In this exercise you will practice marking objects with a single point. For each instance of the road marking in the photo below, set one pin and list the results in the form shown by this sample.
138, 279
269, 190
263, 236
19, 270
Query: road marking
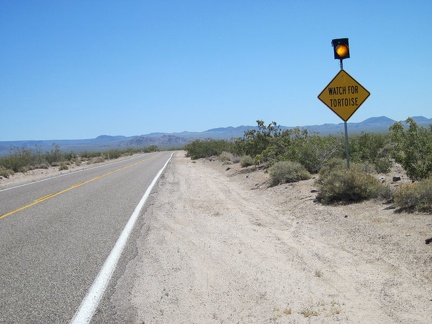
39, 200
91, 301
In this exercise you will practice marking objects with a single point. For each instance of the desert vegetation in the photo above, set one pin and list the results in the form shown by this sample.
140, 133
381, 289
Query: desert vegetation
296, 154
24, 160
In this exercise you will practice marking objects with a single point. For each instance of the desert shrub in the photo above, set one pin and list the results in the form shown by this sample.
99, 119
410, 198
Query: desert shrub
89, 155
17, 159
340, 164
413, 148
25, 169
63, 166
342, 185
383, 165
256, 141
112, 154
314, 151
205, 148
287, 171
270, 144
98, 159
330, 166
41, 166
150, 149
365, 167
55, 155
415, 196
246, 161
6, 173
369, 147
70, 156
226, 157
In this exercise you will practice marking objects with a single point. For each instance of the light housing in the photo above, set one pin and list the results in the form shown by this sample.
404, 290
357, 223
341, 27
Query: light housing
341, 48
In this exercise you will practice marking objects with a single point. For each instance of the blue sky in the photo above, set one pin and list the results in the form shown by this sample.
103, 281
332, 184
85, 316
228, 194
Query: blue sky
79, 69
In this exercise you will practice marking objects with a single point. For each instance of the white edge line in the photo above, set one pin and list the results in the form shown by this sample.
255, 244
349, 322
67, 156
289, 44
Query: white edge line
90, 303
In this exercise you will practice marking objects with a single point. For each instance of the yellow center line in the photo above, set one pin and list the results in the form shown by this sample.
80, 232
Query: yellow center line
77, 185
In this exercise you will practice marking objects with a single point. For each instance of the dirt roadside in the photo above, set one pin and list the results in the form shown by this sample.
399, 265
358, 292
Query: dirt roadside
219, 246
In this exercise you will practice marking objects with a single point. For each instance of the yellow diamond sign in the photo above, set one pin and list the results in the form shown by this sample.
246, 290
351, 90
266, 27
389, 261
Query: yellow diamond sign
343, 95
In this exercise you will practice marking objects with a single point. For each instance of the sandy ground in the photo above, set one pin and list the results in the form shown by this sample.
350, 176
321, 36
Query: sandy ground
219, 246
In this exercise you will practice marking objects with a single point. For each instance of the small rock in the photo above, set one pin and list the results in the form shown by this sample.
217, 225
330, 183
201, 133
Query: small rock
396, 178
314, 190
346, 216
228, 169
427, 241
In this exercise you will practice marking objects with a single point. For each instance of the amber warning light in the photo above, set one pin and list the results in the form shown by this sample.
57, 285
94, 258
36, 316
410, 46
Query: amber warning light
341, 48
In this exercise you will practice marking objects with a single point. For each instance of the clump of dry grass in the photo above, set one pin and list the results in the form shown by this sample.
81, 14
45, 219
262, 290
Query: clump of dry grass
286, 172
415, 196
348, 186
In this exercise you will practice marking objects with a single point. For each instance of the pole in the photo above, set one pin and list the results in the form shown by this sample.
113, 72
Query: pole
347, 145
346, 131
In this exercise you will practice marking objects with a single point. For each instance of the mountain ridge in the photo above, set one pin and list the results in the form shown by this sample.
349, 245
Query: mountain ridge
106, 142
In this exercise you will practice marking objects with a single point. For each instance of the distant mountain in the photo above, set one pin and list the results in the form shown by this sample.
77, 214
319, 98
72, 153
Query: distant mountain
383, 120
109, 138
422, 120
163, 140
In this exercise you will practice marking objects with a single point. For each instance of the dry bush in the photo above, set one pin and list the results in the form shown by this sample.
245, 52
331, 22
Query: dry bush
246, 161
227, 157
286, 172
6, 173
415, 196
348, 186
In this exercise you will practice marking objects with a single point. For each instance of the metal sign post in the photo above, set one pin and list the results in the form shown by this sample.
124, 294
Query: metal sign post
347, 145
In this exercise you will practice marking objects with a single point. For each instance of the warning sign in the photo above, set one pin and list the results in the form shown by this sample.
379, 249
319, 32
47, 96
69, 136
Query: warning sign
343, 95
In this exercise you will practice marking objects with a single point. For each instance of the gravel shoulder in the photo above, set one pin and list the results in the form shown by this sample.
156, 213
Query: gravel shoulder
219, 246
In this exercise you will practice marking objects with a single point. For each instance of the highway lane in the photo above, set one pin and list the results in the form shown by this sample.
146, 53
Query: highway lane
52, 250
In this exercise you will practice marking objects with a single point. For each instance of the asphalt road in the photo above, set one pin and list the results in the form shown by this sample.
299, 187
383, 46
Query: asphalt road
56, 234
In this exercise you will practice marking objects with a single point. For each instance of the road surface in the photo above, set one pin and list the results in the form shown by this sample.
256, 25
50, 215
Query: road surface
56, 234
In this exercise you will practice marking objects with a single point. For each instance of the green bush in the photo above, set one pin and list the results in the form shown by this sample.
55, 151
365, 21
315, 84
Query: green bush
246, 161
369, 147
413, 148
55, 155
383, 165
205, 148
331, 165
342, 185
287, 171
340, 164
17, 160
415, 196
272, 143
112, 154
314, 151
